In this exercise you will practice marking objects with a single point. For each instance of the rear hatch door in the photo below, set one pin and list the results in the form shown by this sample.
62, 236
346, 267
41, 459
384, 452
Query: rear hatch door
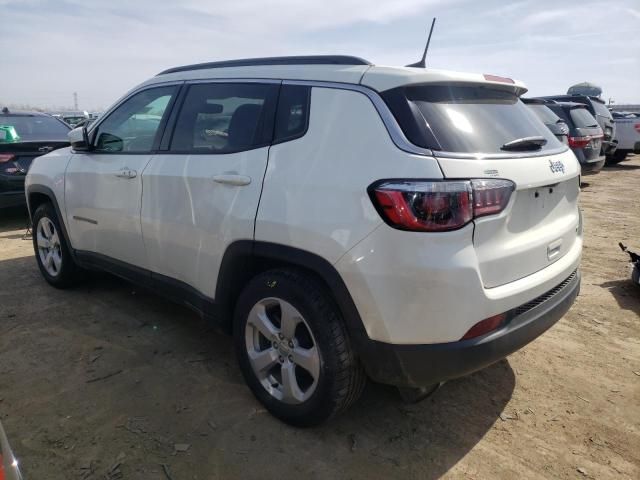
540, 223
486, 131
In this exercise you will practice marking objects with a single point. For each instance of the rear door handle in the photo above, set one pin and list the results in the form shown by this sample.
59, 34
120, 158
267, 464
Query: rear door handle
232, 179
126, 173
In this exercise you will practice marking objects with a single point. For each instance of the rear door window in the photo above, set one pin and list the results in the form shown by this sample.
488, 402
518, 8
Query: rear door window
225, 117
466, 118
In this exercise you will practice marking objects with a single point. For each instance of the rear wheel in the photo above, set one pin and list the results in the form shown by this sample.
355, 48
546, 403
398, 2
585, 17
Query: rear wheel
617, 157
293, 348
52, 252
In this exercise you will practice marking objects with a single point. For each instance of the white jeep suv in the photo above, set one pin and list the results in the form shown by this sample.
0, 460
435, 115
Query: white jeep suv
343, 220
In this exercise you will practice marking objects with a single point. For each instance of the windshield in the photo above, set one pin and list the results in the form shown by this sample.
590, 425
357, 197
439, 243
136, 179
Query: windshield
471, 118
582, 118
27, 128
545, 114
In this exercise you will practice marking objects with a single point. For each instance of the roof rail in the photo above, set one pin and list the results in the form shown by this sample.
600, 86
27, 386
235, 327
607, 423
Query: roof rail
295, 60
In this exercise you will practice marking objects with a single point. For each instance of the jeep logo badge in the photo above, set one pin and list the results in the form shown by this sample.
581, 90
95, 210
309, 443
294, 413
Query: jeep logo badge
556, 166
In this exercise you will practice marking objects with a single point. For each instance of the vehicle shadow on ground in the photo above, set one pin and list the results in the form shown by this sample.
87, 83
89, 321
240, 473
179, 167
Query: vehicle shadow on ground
386, 437
12, 219
432, 436
622, 166
626, 293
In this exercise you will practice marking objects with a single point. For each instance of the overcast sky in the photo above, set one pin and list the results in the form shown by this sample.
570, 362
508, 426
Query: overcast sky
100, 49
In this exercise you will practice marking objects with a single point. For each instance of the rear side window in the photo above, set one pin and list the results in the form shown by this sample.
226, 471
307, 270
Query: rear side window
544, 113
225, 117
464, 118
582, 118
292, 118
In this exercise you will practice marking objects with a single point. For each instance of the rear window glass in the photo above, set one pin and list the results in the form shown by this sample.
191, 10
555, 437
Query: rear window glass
582, 118
468, 119
19, 128
544, 113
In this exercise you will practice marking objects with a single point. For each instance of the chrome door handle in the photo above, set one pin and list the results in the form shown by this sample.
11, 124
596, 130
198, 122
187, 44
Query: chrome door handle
232, 179
126, 173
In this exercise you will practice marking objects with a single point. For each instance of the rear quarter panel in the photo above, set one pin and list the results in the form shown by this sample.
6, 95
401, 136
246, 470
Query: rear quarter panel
315, 189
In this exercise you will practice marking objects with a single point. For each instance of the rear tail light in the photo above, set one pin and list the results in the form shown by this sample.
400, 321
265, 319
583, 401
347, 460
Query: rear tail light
438, 206
6, 157
581, 142
485, 326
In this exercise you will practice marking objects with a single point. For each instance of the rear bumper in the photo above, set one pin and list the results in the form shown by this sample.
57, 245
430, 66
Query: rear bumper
12, 190
12, 199
423, 365
592, 166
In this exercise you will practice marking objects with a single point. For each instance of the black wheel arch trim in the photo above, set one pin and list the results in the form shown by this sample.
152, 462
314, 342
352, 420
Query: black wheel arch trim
46, 191
244, 259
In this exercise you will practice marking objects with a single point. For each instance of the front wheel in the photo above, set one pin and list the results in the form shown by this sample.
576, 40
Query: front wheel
52, 252
293, 348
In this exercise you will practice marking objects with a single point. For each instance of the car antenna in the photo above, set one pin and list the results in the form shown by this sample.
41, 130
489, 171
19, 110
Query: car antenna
422, 63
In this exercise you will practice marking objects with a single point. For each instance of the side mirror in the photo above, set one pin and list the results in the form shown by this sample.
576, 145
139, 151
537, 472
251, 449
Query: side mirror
79, 139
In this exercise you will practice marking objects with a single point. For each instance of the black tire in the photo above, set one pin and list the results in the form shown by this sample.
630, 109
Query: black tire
616, 158
341, 378
69, 273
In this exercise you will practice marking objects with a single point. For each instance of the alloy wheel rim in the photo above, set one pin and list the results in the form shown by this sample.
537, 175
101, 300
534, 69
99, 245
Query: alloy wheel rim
49, 249
282, 351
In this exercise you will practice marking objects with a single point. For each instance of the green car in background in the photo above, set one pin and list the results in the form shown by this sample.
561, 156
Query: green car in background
8, 134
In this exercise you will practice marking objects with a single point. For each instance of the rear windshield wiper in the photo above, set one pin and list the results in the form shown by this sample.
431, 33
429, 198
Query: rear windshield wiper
526, 143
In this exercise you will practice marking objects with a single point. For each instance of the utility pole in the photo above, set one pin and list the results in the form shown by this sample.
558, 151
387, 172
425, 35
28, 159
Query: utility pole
75, 100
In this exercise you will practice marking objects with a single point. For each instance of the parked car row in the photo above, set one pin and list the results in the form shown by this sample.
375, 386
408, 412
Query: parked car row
594, 134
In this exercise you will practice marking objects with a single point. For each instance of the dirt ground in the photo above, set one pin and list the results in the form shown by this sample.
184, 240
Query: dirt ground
107, 381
